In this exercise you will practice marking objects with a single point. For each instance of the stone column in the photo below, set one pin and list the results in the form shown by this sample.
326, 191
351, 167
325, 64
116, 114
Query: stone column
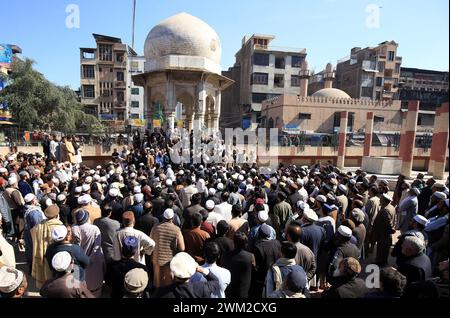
439, 146
214, 122
170, 118
199, 122
342, 140
408, 137
201, 106
189, 120
368, 135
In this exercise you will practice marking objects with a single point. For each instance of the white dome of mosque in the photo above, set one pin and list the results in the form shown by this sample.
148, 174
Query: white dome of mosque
331, 93
183, 34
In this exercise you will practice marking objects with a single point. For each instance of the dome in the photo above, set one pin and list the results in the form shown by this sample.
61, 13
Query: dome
183, 34
331, 93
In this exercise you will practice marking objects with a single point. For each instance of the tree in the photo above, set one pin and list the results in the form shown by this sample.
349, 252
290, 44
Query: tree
37, 104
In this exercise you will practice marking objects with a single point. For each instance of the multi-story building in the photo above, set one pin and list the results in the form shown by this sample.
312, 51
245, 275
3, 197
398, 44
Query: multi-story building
135, 94
372, 72
261, 71
104, 81
427, 86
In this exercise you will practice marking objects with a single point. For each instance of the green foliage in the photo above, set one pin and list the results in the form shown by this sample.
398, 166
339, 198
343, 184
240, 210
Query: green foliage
37, 104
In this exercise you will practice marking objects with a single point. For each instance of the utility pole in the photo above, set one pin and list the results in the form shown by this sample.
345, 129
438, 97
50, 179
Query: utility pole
134, 22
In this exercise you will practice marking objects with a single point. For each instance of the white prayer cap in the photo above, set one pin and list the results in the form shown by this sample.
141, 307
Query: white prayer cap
345, 231
302, 205
61, 261
169, 182
358, 215
88, 179
3, 170
343, 188
210, 204
253, 170
113, 192
387, 197
61, 197
310, 215
111, 172
352, 181
92, 172
10, 279
75, 176
132, 175
212, 191
137, 189
29, 197
78, 190
421, 219
283, 178
300, 181
85, 187
84, 199
103, 179
169, 214
135, 281
59, 233
98, 167
183, 266
55, 181
321, 198
181, 172
440, 195
139, 197
48, 202
220, 186
12, 180
96, 177
263, 216
10, 158
241, 177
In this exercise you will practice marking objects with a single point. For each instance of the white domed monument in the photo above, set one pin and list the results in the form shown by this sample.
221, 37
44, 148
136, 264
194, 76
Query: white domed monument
183, 67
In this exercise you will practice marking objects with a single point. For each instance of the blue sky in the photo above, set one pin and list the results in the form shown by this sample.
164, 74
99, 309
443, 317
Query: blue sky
328, 29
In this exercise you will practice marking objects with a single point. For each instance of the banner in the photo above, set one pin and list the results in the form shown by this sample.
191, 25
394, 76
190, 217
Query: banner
5, 55
137, 122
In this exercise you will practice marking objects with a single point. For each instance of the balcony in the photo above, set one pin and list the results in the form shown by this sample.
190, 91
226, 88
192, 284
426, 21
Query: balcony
120, 105
119, 84
278, 48
118, 64
369, 66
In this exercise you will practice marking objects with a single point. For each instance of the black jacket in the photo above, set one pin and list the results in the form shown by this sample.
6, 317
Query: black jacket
146, 223
345, 287
115, 275
266, 253
416, 269
190, 290
240, 264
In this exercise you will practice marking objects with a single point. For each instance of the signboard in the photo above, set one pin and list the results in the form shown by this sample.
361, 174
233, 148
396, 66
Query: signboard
5, 55
156, 123
107, 117
137, 122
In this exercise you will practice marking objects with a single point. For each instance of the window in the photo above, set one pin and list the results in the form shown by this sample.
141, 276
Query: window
378, 95
379, 81
295, 81
134, 116
378, 119
397, 67
100, 69
88, 91
120, 116
297, 61
260, 79
381, 66
391, 55
261, 43
304, 116
88, 55
351, 121
105, 52
134, 104
135, 91
120, 96
261, 59
367, 92
259, 97
278, 80
120, 57
120, 76
280, 62
337, 119
88, 71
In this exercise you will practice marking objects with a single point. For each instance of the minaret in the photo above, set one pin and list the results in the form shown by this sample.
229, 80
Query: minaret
328, 76
304, 79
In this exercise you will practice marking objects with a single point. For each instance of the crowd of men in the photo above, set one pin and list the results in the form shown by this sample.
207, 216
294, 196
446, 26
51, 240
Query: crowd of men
142, 226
